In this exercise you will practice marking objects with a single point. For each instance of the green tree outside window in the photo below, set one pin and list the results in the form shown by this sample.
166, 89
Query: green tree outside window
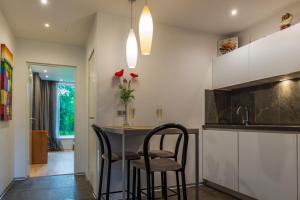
66, 98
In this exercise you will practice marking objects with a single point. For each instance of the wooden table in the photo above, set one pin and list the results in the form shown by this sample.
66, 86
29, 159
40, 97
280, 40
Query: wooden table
142, 131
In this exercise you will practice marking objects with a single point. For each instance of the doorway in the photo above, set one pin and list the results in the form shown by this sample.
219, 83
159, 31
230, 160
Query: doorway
52, 110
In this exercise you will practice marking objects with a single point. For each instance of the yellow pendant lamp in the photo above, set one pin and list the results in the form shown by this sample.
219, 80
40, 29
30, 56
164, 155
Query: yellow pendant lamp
146, 30
131, 45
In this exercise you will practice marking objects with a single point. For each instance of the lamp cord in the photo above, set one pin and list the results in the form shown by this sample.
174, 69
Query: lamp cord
131, 14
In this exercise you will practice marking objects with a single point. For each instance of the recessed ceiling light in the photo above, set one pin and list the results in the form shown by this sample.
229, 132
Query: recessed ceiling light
45, 71
47, 76
234, 12
47, 25
44, 2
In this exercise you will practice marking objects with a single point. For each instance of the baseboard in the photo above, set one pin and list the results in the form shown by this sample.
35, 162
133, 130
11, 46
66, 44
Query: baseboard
80, 174
6, 189
20, 178
227, 191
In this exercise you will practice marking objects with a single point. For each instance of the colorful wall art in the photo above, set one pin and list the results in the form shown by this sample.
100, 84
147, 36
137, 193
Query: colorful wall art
6, 70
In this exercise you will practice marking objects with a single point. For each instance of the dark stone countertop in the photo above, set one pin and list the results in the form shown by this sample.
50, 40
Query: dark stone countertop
295, 128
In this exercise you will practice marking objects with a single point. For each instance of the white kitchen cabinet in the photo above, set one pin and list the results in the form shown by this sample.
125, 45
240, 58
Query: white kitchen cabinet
231, 69
268, 165
220, 158
276, 54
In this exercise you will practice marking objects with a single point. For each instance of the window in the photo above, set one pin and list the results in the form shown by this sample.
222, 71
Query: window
66, 109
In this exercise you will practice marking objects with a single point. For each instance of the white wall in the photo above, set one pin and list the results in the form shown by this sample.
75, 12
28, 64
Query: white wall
173, 77
269, 25
50, 53
6, 134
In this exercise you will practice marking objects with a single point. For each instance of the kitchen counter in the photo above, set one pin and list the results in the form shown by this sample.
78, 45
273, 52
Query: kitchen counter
293, 128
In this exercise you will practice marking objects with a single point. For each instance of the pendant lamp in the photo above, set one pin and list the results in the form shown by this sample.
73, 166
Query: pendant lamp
146, 30
131, 45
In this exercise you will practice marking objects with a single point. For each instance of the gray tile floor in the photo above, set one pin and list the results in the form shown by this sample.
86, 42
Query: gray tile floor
69, 187
65, 187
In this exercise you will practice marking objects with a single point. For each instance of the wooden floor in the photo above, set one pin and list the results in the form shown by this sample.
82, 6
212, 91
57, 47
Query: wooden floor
70, 187
58, 163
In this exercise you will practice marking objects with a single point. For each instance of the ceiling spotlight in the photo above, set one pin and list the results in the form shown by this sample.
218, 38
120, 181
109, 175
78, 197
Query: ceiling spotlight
46, 76
47, 25
234, 12
45, 71
44, 2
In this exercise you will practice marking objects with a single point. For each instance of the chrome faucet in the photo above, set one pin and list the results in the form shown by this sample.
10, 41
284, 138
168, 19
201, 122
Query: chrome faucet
245, 118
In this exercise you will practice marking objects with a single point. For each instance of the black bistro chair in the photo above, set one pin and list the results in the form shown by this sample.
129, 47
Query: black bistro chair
110, 157
163, 153
161, 164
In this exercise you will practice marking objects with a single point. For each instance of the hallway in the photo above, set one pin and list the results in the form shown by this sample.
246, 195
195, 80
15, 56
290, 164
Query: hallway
59, 163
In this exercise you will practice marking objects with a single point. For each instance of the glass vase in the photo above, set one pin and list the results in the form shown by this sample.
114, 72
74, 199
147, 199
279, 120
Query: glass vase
125, 120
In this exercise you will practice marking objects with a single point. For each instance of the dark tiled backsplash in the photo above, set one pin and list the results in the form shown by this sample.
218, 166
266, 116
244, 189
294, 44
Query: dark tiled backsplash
272, 103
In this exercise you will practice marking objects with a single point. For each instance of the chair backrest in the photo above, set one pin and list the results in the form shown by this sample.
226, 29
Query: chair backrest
176, 127
161, 144
103, 141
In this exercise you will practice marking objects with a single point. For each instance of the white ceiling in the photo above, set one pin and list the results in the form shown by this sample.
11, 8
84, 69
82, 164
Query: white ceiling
55, 73
71, 19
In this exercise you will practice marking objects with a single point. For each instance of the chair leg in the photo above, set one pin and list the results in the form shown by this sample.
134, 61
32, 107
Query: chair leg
153, 185
162, 184
128, 179
183, 185
139, 196
101, 179
134, 183
165, 197
108, 180
178, 185
148, 175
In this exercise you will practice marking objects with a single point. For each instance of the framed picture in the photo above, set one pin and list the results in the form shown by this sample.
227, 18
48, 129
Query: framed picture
227, 45
6, 70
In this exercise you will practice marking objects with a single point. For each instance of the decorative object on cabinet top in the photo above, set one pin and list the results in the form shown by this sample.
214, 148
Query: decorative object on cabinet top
227, 45
286, 21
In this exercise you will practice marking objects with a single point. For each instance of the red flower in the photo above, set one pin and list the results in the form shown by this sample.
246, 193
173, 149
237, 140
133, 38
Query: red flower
134, 75
120, 73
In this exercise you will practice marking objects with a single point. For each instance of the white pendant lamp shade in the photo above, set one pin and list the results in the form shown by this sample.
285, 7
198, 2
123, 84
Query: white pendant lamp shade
146, 31
131, 49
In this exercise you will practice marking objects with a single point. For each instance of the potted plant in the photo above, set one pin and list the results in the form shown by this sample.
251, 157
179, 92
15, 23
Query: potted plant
125, 91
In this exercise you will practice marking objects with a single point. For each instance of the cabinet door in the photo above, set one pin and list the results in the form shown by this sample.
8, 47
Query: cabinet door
276, 54
231, 69
268, 165
220, 158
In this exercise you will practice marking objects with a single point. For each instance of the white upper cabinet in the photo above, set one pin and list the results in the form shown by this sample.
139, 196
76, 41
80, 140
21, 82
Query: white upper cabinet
220, 158
276, 54
231, 68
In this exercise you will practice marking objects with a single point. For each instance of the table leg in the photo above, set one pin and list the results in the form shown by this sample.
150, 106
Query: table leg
197, 165
123, 168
